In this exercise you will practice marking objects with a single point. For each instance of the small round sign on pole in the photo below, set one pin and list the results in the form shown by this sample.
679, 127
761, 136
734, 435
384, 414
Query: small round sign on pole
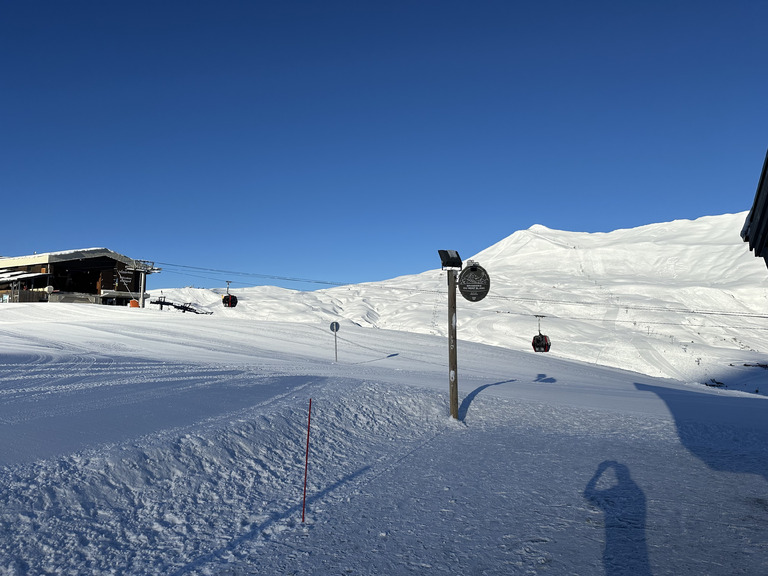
474, 282
335, 328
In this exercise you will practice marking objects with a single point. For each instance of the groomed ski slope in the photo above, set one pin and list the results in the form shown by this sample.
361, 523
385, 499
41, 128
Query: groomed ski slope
147, 442
155, 442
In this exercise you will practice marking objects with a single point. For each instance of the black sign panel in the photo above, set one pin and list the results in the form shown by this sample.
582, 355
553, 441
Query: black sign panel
335, 326
474, 282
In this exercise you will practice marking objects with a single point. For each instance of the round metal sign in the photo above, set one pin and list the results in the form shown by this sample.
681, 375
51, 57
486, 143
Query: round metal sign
335, 326
474, 282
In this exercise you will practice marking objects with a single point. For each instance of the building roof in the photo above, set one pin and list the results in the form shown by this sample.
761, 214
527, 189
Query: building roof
70, 255
7, 276
755, 229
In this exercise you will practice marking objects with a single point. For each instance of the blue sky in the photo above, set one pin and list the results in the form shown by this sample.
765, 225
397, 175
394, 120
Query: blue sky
349, 141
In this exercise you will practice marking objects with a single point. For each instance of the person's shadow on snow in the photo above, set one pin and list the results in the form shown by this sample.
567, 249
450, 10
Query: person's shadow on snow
623, 503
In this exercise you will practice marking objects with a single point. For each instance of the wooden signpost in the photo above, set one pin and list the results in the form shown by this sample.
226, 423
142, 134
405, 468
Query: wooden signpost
474, 284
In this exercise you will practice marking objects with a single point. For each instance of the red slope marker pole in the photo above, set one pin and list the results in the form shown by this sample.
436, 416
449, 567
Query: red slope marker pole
306, 463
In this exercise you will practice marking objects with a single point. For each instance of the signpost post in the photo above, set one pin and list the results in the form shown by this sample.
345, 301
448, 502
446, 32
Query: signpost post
451, 262
474, 284
453, 355
335, 328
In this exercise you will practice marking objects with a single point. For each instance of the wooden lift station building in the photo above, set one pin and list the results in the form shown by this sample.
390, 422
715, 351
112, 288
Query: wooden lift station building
92, 275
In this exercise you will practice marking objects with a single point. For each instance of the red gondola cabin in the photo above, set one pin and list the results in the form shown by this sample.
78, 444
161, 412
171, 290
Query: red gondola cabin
541, 343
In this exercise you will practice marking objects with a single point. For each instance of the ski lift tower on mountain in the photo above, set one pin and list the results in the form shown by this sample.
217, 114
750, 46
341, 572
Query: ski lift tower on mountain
755, 229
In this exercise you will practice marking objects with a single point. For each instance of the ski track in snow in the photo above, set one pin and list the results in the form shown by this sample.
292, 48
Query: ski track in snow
394, 486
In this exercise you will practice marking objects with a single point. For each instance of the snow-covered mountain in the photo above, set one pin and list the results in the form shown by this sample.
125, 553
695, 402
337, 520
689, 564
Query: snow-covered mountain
146, 442
683, 299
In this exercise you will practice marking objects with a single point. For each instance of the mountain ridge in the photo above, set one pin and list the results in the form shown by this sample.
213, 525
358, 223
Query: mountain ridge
688, 290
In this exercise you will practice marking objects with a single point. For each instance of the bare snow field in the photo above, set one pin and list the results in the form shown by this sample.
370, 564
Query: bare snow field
141, 441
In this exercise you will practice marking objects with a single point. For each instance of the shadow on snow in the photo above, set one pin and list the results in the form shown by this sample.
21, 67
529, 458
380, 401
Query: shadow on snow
727, 433
471, 396
622, 501
273, 519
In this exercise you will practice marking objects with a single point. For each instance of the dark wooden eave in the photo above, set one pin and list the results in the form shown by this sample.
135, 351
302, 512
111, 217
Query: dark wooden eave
755, 230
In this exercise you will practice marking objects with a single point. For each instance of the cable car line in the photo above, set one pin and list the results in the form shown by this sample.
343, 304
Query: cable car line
491, 297
635, 307
640, 322
255, 275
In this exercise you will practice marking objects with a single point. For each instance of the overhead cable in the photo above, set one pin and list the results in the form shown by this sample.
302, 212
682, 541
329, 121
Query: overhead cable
537, 300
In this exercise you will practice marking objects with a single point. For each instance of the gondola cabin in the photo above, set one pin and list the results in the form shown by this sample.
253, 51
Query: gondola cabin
229, 300
541, 343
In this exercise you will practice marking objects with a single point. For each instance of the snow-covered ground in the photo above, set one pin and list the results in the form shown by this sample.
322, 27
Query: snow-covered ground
159, 442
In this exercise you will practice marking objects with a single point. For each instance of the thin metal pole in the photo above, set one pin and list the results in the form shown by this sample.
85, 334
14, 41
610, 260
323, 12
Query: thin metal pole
453, 376
306, 463
335, 347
